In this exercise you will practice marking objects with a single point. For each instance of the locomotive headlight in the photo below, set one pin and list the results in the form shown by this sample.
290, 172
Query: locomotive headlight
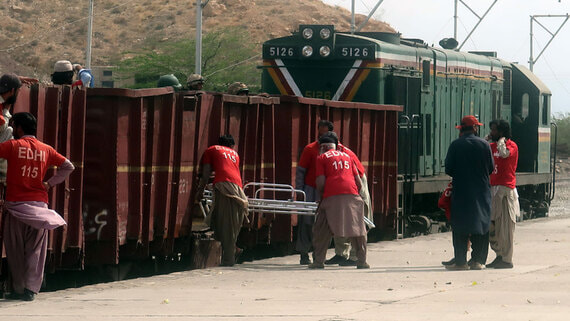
325, 51
325, 33
307, 33
307, 51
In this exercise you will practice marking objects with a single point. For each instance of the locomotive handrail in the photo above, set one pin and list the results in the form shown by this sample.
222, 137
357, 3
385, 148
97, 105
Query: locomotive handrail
552, 190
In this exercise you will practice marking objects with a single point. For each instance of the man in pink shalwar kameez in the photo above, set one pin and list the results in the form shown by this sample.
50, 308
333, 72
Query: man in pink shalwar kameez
27, 218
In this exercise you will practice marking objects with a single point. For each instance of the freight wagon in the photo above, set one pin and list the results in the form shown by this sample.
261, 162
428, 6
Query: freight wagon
136, 154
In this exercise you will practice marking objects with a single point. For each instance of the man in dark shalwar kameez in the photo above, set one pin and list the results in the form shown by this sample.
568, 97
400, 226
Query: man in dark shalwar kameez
469, 162
341, 210
28, 218
230, 202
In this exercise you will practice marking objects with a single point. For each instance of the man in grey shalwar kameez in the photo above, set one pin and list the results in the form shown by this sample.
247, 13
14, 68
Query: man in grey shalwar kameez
469, 162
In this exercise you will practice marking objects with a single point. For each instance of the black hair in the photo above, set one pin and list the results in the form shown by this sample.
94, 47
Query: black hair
226, 140
329, 137
26, 121
326, 123
504, 128
62, 78
494, 122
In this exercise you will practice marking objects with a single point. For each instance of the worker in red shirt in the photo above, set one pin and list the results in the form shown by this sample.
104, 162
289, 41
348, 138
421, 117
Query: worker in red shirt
28, 218
230, 202
305, 181
341, 208
345, 255
505, 206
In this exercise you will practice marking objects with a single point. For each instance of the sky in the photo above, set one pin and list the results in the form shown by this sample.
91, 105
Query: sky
505, 29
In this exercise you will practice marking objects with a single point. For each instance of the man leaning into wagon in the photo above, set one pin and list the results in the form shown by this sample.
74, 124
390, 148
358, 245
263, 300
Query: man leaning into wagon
341, 210
230, 202
28, 218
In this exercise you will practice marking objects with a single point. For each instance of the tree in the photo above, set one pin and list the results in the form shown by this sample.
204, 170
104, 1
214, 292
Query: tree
228, 55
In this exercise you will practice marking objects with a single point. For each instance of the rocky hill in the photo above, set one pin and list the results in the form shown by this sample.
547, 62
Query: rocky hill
34, 34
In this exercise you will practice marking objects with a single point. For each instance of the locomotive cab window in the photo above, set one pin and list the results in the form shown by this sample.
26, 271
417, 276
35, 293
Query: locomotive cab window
426, 73
545, 109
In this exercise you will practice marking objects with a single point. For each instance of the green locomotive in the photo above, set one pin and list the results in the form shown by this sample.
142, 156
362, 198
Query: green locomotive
437, 87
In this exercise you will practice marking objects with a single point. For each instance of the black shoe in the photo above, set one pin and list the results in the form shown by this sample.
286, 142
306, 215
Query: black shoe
456, 267
305, 259
348, 263
503, 265
28, 295
337, 259
14, 296
450, 262
495, 261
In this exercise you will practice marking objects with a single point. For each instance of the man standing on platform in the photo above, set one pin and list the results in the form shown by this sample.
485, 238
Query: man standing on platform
341, 208
230, 202
345, 255
505, 202
28, 218
305, 181
469, 162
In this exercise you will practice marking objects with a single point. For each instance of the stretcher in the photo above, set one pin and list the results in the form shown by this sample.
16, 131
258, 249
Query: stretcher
292, 201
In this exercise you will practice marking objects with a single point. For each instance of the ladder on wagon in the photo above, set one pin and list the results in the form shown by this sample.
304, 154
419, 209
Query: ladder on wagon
258, 205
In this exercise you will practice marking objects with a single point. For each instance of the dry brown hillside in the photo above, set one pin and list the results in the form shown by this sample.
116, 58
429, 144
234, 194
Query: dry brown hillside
34, 34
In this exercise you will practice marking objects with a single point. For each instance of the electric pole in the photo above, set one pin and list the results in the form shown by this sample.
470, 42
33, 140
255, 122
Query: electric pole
89, 34
199, 6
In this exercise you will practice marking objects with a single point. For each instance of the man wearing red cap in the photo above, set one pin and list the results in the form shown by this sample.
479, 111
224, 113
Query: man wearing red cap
469, 162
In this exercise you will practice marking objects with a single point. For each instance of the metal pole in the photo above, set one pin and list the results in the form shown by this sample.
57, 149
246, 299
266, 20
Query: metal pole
455, 22
198, 63
89, 33
531, 59
369, 16
480, 19
352, 20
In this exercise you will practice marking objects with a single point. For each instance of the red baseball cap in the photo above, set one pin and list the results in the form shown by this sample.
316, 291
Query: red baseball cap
469, 121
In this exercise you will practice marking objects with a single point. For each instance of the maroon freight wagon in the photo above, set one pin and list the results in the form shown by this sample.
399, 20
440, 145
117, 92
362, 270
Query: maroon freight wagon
137, 153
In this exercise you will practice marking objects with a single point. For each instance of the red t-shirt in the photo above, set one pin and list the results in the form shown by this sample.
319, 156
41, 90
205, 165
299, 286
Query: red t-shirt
504, 172
359, 166
28, 160
339, 171
225, 162
309, 161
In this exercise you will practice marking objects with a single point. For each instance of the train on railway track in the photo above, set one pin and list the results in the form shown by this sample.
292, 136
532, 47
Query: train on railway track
436, 88
394, 101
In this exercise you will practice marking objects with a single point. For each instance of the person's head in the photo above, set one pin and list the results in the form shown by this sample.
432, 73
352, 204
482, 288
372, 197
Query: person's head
169, 80
324, 126
469, 124
195, 82
9, 85
238, 88
500, 128
62, 73
226, 140
23, 124
77, 67
328, 141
